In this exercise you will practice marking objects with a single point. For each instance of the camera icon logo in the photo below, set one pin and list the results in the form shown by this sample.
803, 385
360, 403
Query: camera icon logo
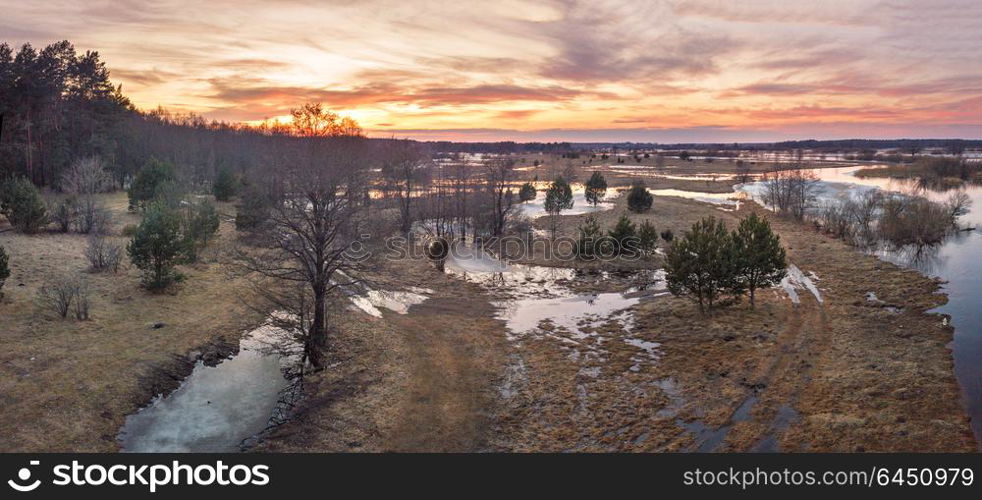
24, 475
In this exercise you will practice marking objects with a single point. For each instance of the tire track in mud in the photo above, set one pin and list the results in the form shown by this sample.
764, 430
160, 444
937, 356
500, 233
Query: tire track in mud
764, 414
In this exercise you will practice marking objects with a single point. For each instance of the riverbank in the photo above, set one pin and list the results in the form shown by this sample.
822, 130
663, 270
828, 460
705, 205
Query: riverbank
830, 370
833, 372
68, 385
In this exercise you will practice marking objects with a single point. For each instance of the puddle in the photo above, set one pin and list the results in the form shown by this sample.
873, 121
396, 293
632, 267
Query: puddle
769, 444
537, 208
216, 408
396, 301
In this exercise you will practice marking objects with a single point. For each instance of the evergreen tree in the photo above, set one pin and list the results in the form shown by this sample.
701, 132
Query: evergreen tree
151, 181
4, 268
592, 241
158, 246
527, 193
199, 226
638, 198
225, 185
21, 202
624, 237
559, 197
647, 238
761, 261
702, 263
596, 188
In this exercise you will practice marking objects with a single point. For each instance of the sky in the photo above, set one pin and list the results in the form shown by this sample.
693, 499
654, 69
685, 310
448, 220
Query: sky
544, 70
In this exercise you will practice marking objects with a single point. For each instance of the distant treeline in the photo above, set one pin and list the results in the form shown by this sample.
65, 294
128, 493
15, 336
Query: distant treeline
503, 147
955, 145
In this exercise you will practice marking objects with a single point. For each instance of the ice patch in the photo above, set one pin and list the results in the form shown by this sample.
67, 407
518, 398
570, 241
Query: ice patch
795, 280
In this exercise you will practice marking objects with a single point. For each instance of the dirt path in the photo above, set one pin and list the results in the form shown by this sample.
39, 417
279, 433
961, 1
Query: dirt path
769, 407
454, 353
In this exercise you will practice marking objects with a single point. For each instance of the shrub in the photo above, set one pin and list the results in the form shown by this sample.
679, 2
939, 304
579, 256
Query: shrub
638, 198
63, 213
104, 254
157, 246
63, 295
225, 185
21, 202
93, 217
4, 267
667, 235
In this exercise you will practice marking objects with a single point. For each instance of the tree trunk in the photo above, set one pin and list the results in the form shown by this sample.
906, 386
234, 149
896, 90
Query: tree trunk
753, 305
317, 335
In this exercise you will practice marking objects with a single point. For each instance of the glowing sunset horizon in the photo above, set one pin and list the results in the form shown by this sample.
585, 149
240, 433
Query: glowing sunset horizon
580, 71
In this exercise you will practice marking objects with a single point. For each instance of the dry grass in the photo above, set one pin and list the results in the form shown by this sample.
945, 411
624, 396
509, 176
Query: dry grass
67, 385
860, 377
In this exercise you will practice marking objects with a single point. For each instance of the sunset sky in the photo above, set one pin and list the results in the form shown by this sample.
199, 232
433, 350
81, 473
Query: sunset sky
600, 70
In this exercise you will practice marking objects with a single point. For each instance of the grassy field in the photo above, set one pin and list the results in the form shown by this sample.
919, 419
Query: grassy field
853, 375
67, 385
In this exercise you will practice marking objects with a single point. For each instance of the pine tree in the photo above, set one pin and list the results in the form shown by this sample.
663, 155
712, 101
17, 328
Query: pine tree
647, 238
638, 198
702, 263
591, 239
225, 185
199, 226
158, 246
527, 193
596, 188
761, 261
559, 197
624, 237
21, 202
150, 182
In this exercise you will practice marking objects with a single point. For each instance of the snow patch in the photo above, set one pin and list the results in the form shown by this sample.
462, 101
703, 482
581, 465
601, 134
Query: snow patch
795, 280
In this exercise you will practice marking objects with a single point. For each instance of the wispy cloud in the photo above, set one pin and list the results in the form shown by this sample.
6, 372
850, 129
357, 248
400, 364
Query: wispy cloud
644, 69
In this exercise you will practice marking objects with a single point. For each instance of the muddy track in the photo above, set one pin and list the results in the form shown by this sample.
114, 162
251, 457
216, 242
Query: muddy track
455, 358
759, 420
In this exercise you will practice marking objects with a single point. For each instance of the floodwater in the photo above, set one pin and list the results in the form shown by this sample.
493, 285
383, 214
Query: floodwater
537, 208
535, 296
217, 407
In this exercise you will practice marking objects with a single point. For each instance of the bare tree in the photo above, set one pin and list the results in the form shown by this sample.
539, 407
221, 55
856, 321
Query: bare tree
790, 192
311, 249
404, 168
83, 180
499, 173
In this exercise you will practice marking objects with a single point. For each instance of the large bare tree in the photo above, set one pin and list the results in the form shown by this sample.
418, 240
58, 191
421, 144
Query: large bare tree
312, 247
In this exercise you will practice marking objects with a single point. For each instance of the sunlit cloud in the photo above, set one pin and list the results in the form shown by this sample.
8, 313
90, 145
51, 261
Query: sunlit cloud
693, 70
